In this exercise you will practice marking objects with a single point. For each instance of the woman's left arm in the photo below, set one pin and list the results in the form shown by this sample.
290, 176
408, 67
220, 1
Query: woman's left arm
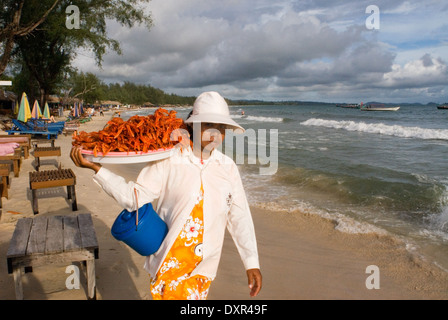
241, 228
254, 280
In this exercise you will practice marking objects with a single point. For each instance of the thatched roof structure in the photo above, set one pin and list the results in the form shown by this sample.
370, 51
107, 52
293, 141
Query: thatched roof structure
111, 103
7, 96
53, 99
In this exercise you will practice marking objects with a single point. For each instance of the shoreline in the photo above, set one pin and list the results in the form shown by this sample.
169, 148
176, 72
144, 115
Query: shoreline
308, 258
302, 255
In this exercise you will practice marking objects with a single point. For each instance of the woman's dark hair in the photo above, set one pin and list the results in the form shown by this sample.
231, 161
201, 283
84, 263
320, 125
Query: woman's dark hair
189, 125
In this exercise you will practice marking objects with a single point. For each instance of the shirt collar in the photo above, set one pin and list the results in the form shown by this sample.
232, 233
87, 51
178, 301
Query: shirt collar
215, 156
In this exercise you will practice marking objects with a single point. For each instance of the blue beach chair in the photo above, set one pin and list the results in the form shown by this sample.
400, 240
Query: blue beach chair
26, 128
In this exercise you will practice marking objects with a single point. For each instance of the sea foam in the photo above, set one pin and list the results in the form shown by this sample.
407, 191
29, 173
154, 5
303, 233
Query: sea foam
380, 128
257, 118
342, 222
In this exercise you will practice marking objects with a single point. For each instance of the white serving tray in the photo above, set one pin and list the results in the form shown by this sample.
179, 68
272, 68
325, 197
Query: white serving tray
128, 157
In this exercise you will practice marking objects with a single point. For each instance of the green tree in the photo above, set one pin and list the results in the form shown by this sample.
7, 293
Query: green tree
45, 62
12, 26
131, 93
86, 86
48, 51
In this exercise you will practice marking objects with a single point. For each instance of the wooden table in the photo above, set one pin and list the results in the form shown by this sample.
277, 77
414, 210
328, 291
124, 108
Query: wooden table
4, 174
43, 240
23, 140
16, 159
52, 179
40, 152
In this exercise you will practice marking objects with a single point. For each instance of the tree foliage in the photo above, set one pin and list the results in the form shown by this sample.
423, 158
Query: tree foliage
91, 89
131, 93
44, 54
12, 26
43, 49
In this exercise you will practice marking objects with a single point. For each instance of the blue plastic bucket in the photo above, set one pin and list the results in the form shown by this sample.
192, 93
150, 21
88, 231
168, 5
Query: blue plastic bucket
144, 237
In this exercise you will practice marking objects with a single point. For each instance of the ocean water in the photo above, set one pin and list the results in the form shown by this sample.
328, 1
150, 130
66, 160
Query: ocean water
381, 172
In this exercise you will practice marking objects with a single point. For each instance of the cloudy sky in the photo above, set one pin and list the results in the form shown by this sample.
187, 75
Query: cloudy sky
311, 50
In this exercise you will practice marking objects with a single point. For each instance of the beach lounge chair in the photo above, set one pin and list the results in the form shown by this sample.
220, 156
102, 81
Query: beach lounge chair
25, 128
39, 125
70, 127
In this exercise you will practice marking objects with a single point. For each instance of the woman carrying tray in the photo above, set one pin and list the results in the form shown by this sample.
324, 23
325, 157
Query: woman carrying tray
197, 192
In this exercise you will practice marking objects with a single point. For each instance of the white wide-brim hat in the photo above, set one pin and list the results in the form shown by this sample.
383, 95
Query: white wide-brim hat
210, 107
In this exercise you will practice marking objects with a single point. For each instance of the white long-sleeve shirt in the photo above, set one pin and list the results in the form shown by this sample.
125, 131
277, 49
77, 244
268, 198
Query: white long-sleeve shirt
172, 186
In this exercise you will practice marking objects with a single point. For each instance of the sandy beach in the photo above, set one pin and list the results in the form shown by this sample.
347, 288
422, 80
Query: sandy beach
302, 255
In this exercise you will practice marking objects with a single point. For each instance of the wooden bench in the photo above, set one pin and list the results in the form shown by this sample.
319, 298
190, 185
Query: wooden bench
52, 179
23, 140
36, 142
42, 240
40, 152
16, 160
71, 127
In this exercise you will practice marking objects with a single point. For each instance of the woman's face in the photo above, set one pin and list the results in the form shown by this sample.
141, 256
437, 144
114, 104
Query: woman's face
212, 134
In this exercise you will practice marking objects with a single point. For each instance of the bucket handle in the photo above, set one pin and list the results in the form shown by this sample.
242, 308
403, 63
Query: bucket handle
136, 211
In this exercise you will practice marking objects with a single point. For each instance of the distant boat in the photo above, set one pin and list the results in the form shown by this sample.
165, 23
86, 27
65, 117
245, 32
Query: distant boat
348, 105
378, 107
443, 106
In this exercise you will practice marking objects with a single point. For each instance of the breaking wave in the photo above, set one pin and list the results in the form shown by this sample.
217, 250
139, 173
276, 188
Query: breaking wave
380, 128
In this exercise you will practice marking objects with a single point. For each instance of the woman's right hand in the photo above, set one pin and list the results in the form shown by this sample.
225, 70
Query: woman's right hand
80, 161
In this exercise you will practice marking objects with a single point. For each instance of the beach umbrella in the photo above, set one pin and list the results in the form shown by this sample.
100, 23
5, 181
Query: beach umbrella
16, 108
36, 113
46, 111
24, 109
76, 111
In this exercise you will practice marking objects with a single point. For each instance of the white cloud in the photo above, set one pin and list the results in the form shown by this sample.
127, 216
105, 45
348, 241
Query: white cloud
282, 49
424, 72
405, 7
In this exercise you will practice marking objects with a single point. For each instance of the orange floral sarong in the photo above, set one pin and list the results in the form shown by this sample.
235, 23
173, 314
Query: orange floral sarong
173, 280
